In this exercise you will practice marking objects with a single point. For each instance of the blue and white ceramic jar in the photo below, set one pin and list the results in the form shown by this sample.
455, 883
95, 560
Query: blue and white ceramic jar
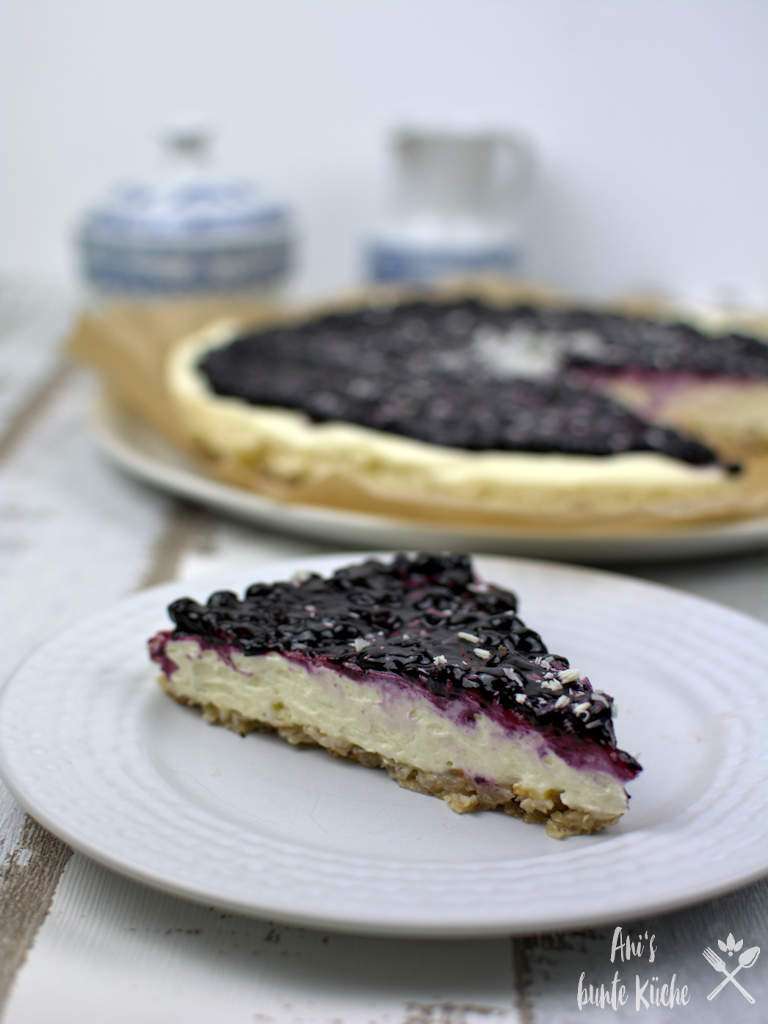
190, 233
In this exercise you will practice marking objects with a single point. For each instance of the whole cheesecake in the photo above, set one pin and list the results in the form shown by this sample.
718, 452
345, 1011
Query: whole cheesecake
518, 410
415, 665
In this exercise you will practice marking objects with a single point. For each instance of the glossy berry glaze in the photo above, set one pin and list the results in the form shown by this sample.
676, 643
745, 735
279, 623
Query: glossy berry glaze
422, 621
421, 370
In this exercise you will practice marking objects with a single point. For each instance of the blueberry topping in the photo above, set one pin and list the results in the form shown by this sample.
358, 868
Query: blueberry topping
423, 618
422, 370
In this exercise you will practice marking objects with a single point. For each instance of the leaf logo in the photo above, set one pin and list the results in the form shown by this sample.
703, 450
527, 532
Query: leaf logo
730, 946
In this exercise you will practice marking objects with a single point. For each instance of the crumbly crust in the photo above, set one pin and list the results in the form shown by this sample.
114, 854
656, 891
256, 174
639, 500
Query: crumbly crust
459, 791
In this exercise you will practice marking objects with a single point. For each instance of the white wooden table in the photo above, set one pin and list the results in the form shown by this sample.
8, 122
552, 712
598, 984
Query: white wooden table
81, 944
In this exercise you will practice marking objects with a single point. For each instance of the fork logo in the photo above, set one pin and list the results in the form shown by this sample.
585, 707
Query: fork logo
745, 959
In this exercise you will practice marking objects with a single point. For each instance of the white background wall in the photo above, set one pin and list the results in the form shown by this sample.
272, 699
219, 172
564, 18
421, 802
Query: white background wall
650, 119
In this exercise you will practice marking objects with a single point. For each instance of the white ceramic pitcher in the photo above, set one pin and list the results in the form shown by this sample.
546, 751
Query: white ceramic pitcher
460, 195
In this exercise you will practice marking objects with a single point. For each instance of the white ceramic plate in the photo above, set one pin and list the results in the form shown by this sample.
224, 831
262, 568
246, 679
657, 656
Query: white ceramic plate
98, 754
143, 453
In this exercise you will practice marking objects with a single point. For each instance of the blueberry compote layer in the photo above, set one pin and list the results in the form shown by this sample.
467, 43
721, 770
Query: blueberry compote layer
426, 621
416, 369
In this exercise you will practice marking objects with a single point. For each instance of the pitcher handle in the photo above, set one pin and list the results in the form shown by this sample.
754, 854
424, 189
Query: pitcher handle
515, 165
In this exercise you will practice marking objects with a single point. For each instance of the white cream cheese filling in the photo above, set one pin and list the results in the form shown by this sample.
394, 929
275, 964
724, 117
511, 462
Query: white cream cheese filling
401, 725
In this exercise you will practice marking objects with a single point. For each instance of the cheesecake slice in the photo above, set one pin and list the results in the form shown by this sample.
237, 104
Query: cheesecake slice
415, 665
